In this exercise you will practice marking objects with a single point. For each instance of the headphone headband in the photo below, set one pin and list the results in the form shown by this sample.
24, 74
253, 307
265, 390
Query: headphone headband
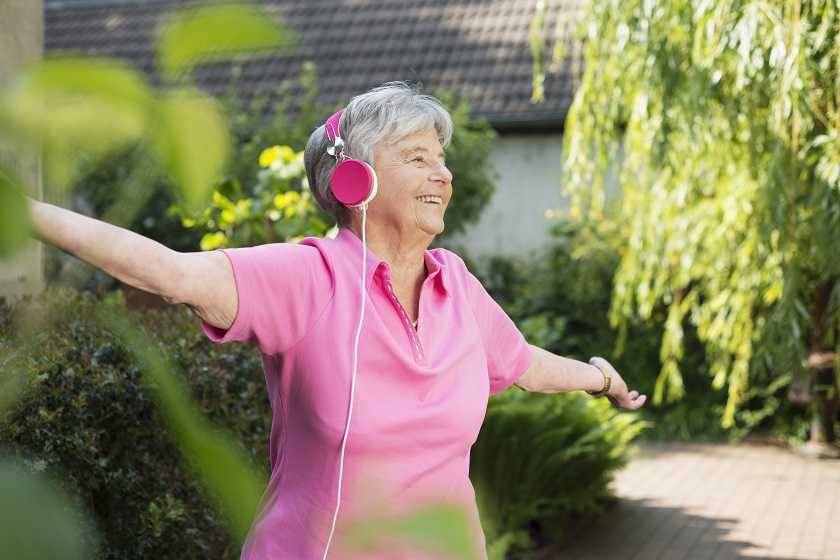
332, 125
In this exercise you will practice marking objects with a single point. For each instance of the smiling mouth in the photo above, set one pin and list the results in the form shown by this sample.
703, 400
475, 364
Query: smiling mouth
430, 199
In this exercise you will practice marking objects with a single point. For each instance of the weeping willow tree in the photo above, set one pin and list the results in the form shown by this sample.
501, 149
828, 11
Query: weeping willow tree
727, 118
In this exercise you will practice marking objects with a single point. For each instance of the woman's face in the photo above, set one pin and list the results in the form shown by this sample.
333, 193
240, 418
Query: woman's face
409, 173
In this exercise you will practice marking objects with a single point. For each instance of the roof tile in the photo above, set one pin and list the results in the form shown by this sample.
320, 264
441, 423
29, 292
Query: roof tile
477, 48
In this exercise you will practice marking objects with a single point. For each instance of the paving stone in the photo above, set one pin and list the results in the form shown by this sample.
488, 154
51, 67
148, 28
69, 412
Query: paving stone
683, 501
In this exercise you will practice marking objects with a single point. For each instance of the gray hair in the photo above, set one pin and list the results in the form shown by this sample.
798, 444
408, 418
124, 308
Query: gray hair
385, 114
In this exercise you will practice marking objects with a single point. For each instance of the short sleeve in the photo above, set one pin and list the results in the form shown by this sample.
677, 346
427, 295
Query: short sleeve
508, 353
282, 289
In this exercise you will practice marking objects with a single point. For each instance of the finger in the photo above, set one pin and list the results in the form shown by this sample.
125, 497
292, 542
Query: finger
633, 395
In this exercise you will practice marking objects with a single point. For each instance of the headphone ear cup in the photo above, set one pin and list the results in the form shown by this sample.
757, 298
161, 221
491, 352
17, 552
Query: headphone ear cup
374, 184
353, 183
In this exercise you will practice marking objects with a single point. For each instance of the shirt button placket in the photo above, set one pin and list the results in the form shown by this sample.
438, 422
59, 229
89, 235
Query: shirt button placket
415, 341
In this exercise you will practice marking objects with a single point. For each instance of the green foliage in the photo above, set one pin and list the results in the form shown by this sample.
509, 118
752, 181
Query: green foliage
78, 106
45, 523
88, 414
14, 216
560, 299
124, 190
728, 119
69, 106
204, 34
537, 44
80, 109
280, 206
211, 454
193, 142
442, 529
542, 459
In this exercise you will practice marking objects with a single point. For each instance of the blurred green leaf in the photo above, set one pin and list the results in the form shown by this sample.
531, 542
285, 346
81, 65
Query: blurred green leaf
225, 471
441, 528
67, 106
191, 138
213, 32
37, 520
14, 215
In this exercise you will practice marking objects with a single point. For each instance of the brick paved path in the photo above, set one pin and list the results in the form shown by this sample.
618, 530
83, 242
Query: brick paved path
703, 501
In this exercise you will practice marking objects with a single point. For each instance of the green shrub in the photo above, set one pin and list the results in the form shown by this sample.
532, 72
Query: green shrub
86, 417
561, 301
541, 460
279, 208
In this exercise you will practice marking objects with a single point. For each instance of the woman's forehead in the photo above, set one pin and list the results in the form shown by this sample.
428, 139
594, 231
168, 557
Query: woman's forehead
425, 140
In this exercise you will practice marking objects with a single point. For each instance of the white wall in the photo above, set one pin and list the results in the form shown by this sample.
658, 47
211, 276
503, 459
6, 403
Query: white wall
528, 168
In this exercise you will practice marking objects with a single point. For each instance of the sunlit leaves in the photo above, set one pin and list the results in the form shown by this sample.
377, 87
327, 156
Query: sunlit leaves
212, 32
536, 41
71, 106
278, 207
727, 116
76, 109
192, 140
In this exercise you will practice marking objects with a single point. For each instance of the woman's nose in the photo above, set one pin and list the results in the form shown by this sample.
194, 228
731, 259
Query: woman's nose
442, 173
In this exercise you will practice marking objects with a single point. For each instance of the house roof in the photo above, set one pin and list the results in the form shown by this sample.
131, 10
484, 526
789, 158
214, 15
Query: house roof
476, 48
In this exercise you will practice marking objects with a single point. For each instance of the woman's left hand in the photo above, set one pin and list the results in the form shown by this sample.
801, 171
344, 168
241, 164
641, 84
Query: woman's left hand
618, 394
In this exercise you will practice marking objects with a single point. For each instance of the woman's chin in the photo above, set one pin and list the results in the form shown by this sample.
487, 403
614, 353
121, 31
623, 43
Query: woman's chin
432, 227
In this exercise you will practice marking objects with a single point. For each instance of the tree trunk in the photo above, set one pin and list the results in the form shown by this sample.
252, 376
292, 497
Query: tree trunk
821, 367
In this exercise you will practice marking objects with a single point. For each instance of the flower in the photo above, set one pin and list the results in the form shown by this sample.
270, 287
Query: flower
277, 155
269, 155
213, 240
286, 199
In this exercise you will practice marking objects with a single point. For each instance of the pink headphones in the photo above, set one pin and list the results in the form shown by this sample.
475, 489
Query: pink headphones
353, 182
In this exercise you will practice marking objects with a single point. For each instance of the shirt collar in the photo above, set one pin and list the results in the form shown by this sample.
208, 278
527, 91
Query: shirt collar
436, 269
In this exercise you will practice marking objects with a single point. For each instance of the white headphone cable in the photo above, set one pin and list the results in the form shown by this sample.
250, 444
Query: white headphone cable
352, 382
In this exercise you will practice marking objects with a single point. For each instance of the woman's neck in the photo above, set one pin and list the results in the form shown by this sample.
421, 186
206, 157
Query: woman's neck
404, 253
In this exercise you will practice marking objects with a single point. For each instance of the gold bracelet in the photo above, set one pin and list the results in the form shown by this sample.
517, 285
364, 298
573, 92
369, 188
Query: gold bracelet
607, 381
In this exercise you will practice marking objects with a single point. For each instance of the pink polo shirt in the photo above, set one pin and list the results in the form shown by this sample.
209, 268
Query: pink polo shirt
420, 398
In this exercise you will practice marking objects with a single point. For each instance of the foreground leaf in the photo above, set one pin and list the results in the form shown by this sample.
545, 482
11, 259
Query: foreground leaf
191, 138
225, 471
213, 32
37, 520
14, 216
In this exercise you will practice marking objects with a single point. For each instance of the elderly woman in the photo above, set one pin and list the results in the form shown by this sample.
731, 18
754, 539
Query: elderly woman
379, 354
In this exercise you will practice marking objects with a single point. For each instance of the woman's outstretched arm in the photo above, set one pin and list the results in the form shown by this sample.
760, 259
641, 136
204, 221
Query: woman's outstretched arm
550, 373
203, 281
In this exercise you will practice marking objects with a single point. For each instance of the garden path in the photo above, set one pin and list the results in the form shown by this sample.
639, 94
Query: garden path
715, 501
